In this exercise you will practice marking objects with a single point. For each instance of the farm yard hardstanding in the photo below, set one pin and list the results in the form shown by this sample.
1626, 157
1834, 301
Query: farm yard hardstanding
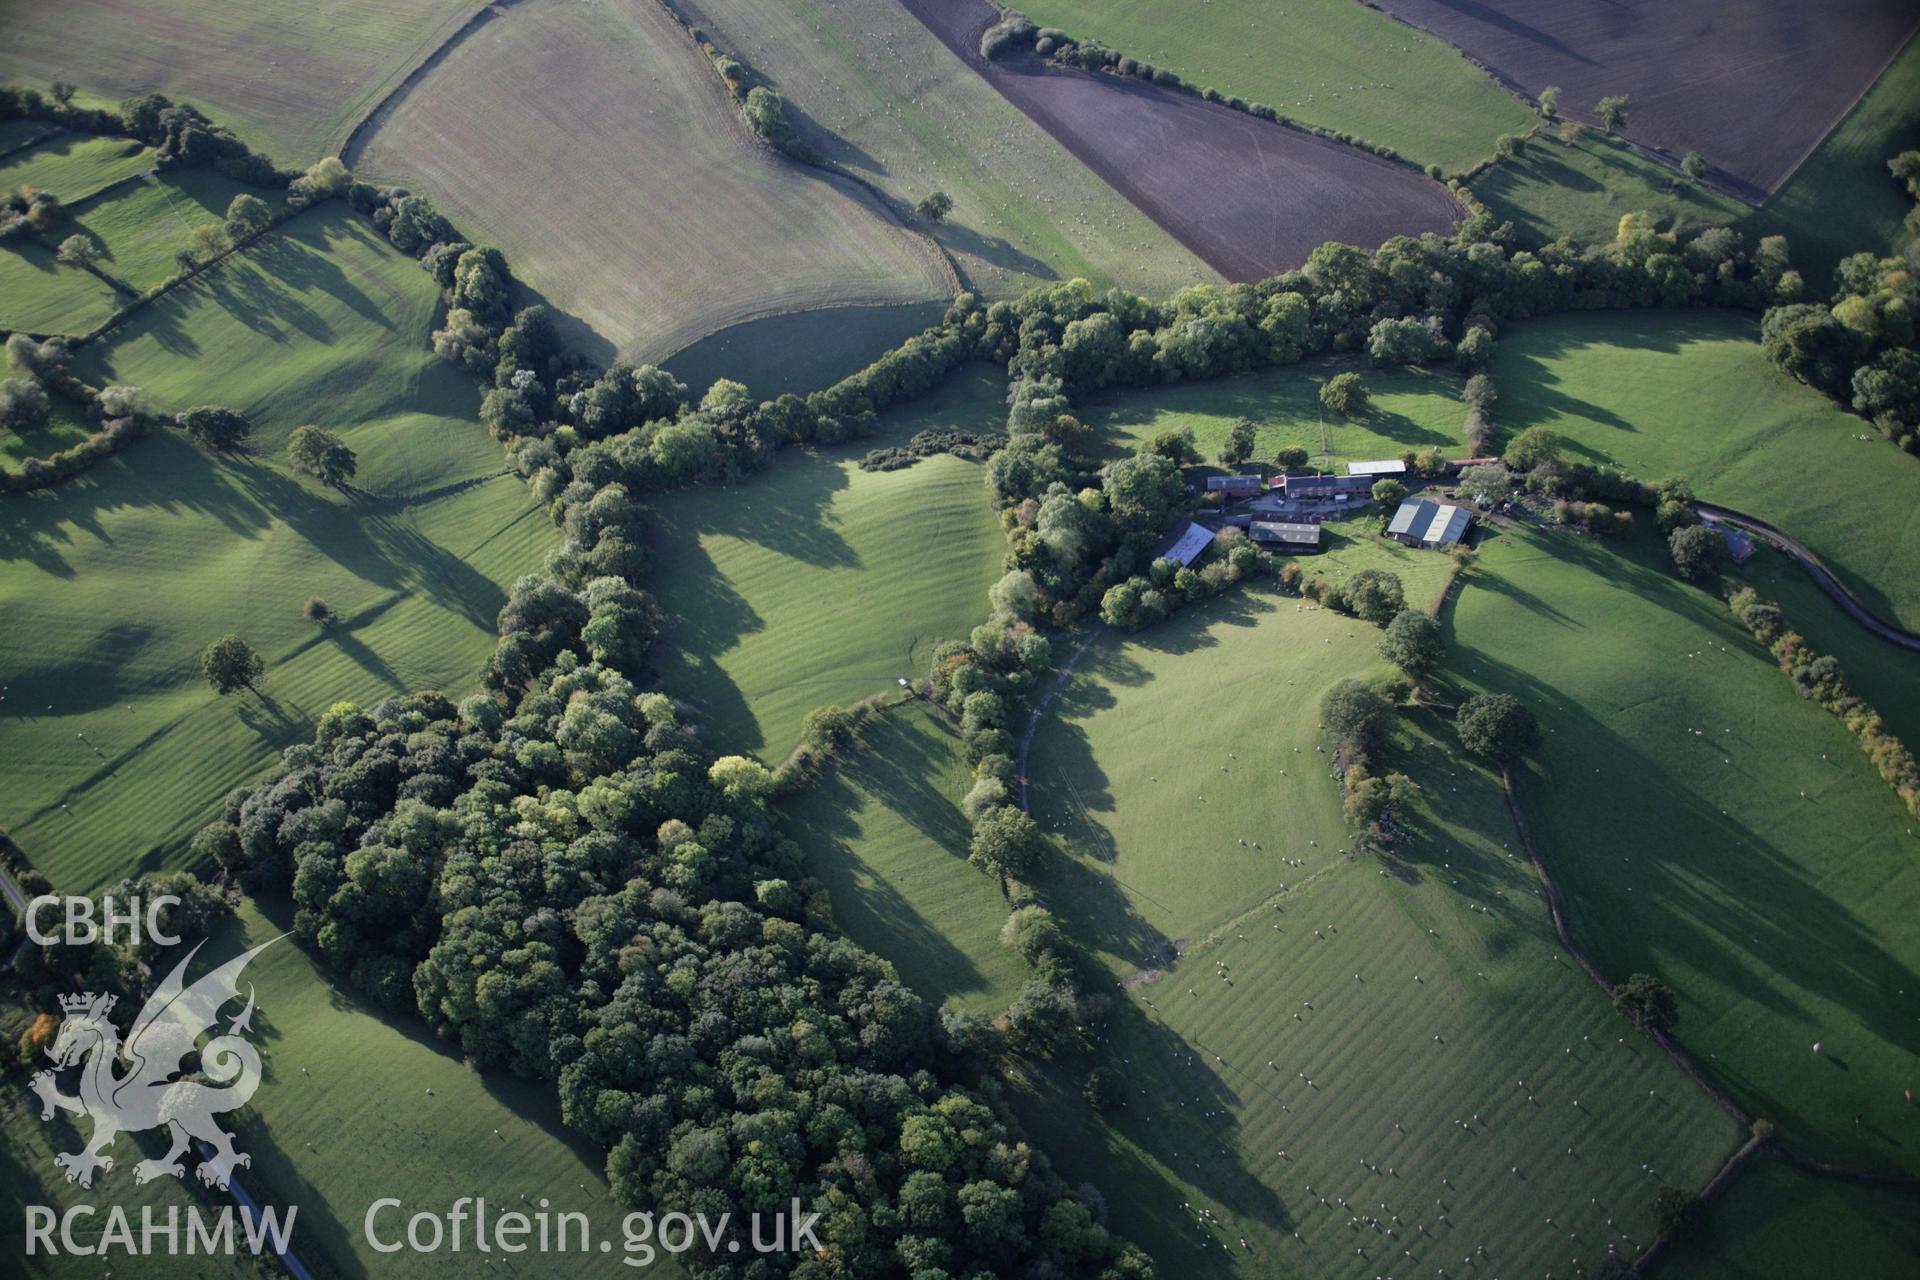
1209, 640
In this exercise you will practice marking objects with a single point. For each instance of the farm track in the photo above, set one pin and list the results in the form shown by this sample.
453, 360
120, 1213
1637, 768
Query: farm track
1817, 570
1046, 700
370, 123
1248, 197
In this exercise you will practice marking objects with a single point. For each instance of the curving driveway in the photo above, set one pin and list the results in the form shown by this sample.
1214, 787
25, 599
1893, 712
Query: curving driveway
1816, 569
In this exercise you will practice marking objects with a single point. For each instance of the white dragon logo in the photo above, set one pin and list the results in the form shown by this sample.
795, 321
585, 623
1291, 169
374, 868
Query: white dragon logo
152, 1092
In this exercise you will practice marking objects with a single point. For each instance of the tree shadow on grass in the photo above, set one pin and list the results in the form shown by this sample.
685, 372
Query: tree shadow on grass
275, 1176
1176, 1135
1668, 880
162, 471
897, 770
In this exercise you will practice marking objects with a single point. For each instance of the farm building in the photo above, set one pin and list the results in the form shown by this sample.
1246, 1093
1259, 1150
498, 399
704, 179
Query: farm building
1188, 546
1374, 470
1325, 486
1235, 486
1422, 522
1285, 534
1740, 544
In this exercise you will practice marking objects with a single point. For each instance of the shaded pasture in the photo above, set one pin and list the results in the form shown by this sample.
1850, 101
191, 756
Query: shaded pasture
1248, 197
1752, 87
883, 831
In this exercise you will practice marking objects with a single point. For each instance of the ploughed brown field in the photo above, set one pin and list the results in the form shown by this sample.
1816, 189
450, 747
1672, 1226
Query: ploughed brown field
1752, 86
1248, 197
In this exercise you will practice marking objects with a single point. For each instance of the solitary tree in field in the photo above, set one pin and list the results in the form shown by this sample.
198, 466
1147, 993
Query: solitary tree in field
1612, 112
1532, 447
1354, 714
317, 611
1413, 642
63, 92
78, 250
1647, 1002
1697, 551
1906, 167
1676, 1212
1497, 726
246, 216
1007, 842
1550, 101
231, 665
214, 427
1239, 443
1694, 166
936, 207
317, 452
207, 241
1344, 394
1389, 493
1484, 485
1290, 457
1375, 595
23, 402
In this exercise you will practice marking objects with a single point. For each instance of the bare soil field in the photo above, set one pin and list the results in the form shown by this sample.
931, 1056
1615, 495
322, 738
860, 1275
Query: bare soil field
1248, 197
660, 219
1753, 87
292, 78
879, 95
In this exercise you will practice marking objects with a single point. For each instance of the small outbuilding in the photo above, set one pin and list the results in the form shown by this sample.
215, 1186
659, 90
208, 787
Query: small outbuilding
1374, 470
1740, 543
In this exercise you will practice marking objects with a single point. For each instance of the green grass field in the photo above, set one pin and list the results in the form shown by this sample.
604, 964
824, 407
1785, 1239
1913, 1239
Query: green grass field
1775, 1220
344, 1116
290, 78
801, 351
1712, 828
821, 583
1582, 189
28, 1176
1840, 201
1159, 827
146, 557
65, 425
1692, 394
137, 228
1342, 972
1330, 63
661, 220
883, 830
879, 95
1411, 409
74, 165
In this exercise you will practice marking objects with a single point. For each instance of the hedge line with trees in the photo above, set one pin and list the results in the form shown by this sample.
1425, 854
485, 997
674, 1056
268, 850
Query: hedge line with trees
1819, 679
37, 376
